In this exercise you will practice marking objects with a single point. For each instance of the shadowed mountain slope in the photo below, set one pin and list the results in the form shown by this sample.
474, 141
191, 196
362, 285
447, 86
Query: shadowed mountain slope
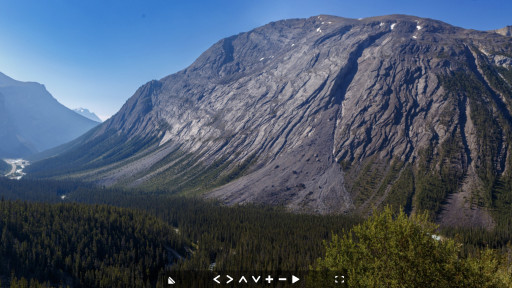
31, 120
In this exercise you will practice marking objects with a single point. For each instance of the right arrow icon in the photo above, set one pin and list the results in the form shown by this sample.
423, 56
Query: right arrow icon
294, 279
230, 279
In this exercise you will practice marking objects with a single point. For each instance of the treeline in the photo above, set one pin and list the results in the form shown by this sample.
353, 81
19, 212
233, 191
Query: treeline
39, 190
82, 245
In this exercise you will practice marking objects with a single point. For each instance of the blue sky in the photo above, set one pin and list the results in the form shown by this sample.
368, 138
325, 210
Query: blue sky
95, 54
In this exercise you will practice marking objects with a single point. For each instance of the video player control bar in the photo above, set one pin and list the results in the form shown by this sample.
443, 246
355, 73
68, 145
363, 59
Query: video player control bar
221, 279
227, 279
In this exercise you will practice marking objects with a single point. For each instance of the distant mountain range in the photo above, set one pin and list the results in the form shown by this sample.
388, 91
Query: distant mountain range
31, 120
87, 114
325, 114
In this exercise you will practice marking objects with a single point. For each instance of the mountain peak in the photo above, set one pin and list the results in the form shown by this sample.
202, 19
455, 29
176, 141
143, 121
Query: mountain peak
325, 114
87, 114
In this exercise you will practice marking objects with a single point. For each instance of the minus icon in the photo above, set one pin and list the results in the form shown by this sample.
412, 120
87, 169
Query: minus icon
283, 279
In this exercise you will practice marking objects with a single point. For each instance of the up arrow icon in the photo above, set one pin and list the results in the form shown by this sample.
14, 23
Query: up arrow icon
242, 279
294, 279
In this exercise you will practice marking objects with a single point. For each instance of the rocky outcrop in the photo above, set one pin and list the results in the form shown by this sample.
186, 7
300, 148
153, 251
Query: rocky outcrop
505, 31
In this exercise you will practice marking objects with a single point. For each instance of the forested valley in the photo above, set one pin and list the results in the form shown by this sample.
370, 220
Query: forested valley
70, 234
96, 237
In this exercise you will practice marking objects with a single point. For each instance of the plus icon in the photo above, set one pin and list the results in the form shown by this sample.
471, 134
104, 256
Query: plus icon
269, 279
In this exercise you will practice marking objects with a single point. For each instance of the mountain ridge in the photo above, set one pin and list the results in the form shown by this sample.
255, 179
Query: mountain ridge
322, 115
31, 120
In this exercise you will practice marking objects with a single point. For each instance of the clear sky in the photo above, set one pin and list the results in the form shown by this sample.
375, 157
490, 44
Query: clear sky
96, 53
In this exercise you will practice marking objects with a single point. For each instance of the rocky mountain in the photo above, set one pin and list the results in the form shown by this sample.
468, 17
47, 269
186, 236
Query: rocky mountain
325, 114
31, 120
506, 31
87, 114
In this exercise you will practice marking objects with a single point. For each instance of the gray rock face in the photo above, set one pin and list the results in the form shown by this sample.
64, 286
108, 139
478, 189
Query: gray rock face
31, 120
315, 106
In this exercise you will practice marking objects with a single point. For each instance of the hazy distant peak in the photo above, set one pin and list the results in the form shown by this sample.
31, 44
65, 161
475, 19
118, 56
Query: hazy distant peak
87, 114
31, 120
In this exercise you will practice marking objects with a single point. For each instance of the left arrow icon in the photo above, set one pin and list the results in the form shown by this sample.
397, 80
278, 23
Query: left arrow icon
216, 279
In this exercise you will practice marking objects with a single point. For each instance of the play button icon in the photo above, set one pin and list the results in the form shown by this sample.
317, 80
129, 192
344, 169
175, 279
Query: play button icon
294, 279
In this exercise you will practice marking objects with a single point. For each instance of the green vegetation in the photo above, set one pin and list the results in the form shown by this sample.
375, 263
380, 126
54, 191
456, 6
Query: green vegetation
440, 172
106, 149
192, 182
439, 175
390, 250
199, 177
482, 115
377, 184
391, 176
235, 238
402, 191
441, 167
37, 190
116, 150
367, 182
491, 73
239, 238
83, 245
